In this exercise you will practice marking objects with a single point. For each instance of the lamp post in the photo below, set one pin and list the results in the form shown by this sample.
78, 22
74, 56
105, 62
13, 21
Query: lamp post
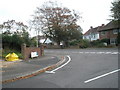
37, 37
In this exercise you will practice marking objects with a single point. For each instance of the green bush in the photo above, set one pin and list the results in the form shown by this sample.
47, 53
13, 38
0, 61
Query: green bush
74, 42
7, 51
95, 43
101, 45
81, 43
84, 44
106, 41
13, 41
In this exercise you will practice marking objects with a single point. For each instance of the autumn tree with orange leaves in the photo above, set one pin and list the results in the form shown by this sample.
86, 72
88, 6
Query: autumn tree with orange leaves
57, 23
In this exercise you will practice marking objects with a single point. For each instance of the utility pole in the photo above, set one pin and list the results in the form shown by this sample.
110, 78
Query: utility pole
37, 37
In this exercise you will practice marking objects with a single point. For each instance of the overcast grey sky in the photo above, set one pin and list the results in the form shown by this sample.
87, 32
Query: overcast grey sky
93, 12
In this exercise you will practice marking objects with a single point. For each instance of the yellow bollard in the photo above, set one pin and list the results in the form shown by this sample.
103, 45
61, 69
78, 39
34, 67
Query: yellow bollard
12, 57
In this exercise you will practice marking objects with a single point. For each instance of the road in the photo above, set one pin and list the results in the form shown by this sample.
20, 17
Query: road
87, 68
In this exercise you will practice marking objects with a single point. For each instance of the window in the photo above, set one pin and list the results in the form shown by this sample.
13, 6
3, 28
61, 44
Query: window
113, 41
94, 36
119, 30
115, 31
103, 33
84, 37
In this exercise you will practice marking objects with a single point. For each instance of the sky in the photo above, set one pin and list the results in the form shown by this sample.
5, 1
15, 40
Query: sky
93, 12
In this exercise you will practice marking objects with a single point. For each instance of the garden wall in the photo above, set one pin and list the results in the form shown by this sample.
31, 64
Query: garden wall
26, 51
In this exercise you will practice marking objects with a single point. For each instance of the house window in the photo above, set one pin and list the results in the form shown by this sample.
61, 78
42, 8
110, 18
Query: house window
103, 33
84, 37
119, 30
94, 36
113, 41
115, 31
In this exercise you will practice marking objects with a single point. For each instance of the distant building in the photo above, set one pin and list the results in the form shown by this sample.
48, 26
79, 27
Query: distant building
42, 38
92, 34
110, 31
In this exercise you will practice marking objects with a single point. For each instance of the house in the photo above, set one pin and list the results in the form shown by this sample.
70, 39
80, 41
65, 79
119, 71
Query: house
110, 31
92, 34
42, 38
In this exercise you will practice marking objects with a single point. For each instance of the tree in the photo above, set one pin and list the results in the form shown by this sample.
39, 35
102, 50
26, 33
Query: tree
14, 34
11, 26
33, 41
115, 9
57, 23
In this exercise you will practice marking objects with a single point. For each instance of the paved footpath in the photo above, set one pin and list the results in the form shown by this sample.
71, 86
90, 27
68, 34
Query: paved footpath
12, 71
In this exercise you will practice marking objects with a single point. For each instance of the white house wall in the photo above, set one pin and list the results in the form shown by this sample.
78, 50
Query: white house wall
91, 37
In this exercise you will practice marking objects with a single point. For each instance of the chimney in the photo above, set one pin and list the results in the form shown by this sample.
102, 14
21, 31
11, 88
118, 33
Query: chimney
91, 27
103, 25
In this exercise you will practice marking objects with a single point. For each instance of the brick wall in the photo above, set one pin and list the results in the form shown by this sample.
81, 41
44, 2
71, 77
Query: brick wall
108, 34
113, 35
26, 51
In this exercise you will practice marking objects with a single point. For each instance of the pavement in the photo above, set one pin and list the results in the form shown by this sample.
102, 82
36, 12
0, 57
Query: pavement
21, 69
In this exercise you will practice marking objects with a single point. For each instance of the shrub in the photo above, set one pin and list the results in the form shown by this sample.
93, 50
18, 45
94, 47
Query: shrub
81, 43
101, 45
95, 43
84, 44
106, 41
74, 42
7, 51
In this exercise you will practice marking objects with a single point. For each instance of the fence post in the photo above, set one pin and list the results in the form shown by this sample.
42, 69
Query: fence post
42, 50
23, 51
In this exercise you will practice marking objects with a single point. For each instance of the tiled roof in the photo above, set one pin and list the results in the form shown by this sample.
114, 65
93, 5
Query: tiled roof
111, 25
87, 33
93, 30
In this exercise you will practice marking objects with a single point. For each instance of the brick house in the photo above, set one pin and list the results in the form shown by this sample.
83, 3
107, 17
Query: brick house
110, 31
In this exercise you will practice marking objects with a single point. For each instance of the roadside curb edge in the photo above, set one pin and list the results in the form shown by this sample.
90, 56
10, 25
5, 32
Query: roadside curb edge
35, 72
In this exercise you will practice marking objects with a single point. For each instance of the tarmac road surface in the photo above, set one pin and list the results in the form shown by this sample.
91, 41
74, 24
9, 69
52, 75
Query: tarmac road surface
87, 68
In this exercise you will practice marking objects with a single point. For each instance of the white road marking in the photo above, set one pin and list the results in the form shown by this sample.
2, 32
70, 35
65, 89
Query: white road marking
107, 52
53, 71
96, 53
101, 76
80, 52
49, 72
87, 52
93, 52
114, 53
100, 52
